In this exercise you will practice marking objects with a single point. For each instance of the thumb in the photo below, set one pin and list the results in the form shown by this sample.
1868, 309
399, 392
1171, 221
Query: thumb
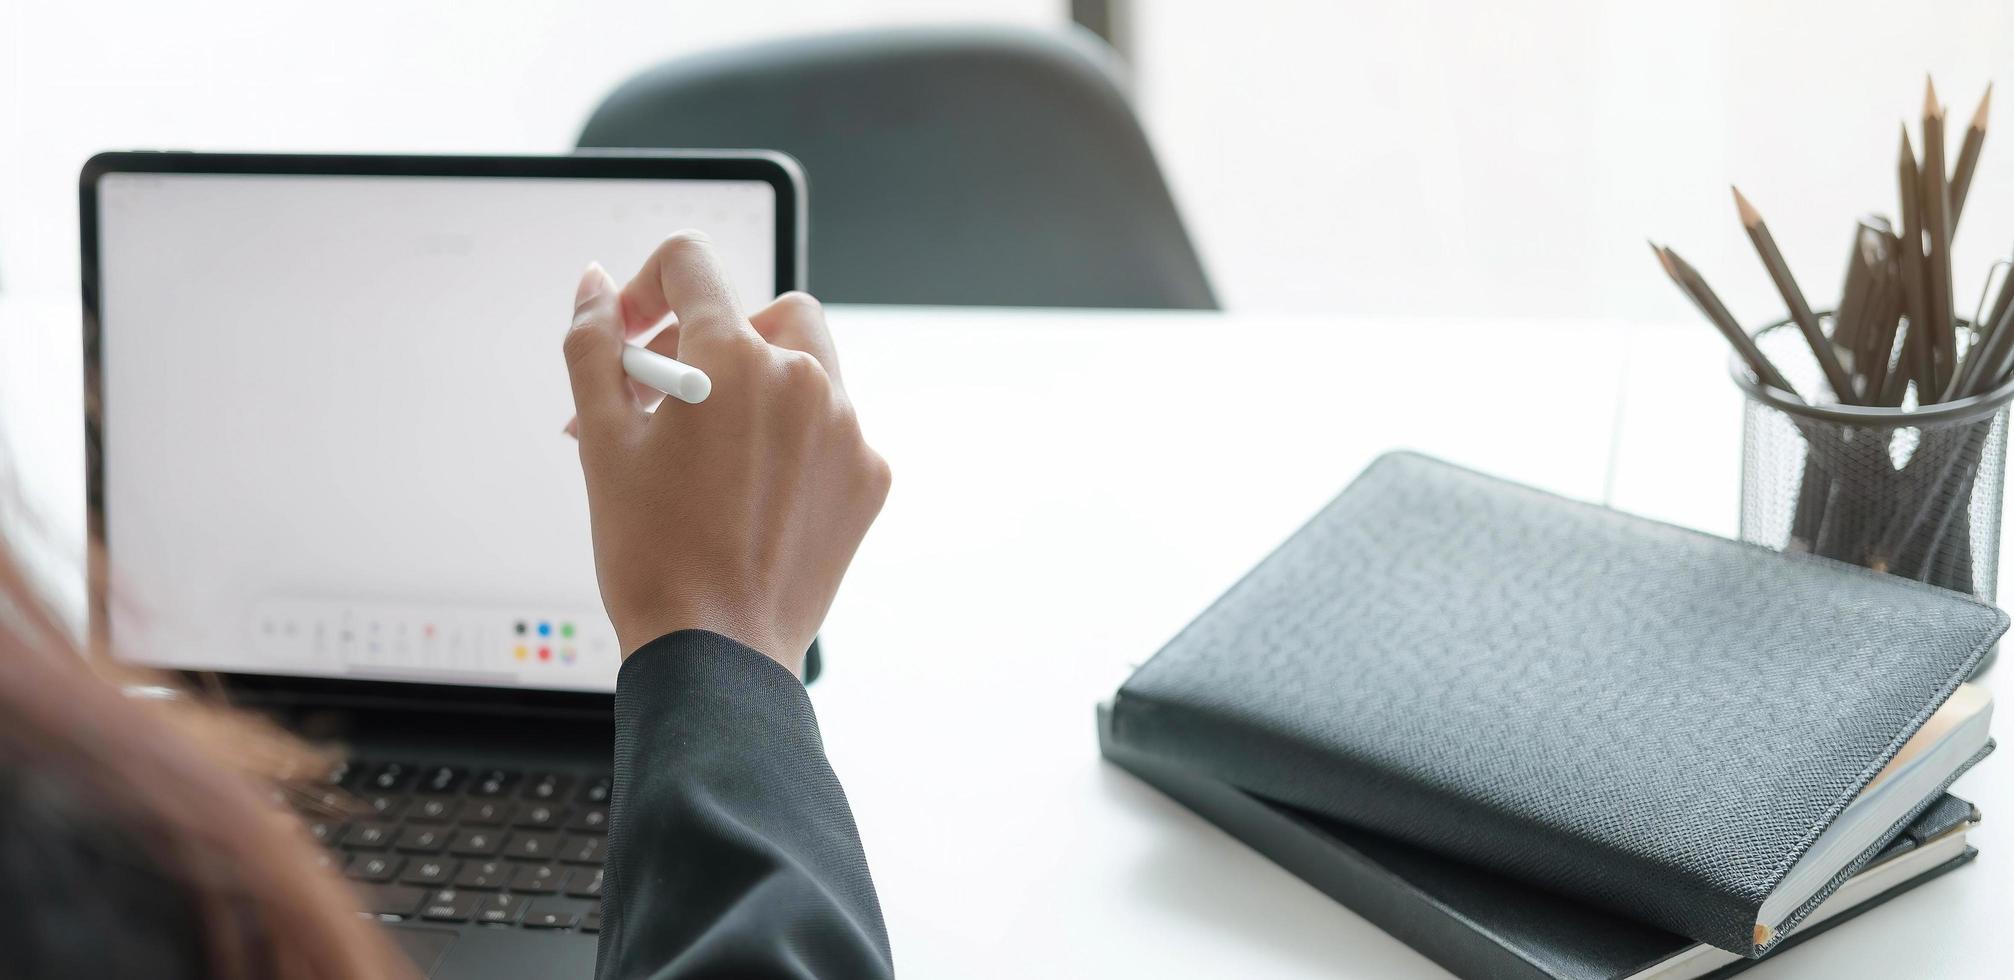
601, 395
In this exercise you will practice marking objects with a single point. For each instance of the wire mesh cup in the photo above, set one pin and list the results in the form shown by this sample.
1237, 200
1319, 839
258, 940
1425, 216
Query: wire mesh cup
1913, 491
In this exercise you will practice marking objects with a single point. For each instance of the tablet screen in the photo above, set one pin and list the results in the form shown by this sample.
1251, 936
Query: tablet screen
332, 411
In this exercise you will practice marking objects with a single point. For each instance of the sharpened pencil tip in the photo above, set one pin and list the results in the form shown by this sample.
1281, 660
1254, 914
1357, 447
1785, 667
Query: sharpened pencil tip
1929, 96
1908, 148
1664, 259
1749, 216
1985, 104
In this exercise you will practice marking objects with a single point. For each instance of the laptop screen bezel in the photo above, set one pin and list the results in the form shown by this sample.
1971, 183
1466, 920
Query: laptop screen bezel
776, 169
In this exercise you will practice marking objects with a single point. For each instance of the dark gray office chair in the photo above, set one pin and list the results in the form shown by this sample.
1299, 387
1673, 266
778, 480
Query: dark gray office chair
968, 166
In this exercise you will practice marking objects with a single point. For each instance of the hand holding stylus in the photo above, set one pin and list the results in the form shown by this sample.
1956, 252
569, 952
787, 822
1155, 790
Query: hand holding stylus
741, 513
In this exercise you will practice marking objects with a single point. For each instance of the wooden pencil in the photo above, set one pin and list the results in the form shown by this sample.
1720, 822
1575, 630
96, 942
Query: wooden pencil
1985, 367
1848, 318
1793, 297
1695, 288
1858, 314
1878, 244
1968, 156
1988, 343
1884, 307
1997, 357
2002, 301
1913, 294
1987, 327
1937, 248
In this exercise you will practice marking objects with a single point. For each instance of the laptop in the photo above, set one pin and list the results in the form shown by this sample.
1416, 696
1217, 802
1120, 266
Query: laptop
324, 406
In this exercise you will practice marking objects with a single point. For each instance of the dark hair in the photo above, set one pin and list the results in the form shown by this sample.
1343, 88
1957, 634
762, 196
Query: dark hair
148, 836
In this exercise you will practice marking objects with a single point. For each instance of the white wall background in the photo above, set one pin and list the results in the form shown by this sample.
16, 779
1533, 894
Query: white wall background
1454, 157
1472, 157
77, 76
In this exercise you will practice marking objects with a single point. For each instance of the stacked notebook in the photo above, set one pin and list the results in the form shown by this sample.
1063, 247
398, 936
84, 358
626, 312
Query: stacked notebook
1536, 738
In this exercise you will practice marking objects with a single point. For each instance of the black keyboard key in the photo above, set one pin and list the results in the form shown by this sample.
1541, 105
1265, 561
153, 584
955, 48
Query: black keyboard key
580, 849
391, 777
476, 843
353, 775
422, 840
372, 867
583, 883
547, 787
593, 820
493, 782
595, 792
326, 831
393, 899
551, 913
541, 815
384, 806
429, 871
485, 813
341, 773
501, 910
486, 875
328, 860
431, 809
442, 779
531, 847
368, 837
449, 905
535, 878
591, 922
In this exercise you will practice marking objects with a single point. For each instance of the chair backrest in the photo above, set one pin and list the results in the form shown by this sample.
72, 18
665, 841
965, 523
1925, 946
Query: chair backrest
967, 166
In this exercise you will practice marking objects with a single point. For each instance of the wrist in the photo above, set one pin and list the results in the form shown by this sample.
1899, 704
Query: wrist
635, 634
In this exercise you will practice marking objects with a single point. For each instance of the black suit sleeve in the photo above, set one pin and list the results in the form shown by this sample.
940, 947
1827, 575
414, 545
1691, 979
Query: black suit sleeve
731, 848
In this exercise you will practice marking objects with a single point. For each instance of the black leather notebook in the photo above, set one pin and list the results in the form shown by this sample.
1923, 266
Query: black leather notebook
1478, 924
1655, 721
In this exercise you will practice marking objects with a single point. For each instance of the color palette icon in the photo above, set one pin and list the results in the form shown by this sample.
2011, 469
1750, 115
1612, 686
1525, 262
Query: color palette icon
545, 645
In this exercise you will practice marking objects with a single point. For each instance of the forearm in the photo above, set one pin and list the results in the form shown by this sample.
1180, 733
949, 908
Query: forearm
732, 850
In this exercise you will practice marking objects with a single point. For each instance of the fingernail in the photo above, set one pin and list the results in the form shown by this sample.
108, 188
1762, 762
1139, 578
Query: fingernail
592, 282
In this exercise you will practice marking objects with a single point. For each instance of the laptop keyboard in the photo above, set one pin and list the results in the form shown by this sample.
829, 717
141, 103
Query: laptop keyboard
443, 844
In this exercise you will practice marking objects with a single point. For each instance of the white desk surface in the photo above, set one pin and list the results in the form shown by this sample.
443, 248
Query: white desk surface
1064, 502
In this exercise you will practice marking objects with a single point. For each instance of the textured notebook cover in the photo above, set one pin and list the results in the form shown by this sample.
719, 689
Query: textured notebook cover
1653, 720
1472, 922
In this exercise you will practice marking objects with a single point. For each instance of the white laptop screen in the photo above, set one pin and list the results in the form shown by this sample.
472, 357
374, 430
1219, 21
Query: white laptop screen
332, 410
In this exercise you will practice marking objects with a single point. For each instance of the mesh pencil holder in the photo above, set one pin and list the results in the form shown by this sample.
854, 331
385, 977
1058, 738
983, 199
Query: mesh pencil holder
1912, 491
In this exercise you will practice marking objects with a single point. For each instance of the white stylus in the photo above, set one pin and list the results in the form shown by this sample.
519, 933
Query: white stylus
675, 378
